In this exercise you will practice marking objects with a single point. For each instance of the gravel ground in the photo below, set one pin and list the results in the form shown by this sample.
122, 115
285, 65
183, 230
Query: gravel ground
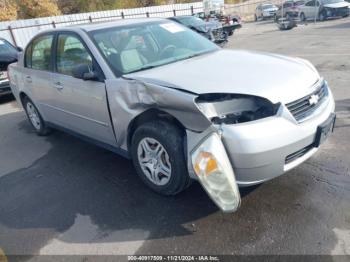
60, 195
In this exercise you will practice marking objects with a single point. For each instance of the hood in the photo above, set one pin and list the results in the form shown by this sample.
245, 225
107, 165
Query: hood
270, 9
213, 25
277, 78
337, 5
5, 61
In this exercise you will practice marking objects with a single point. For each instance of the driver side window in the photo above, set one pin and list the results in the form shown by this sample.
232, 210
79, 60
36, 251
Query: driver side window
310, 3
71, 53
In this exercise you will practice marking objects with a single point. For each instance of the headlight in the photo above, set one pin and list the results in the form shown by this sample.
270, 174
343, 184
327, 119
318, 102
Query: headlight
215, 173
233, 109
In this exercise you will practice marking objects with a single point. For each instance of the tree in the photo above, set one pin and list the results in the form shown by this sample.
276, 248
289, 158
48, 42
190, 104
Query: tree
37, 8
141, 3
8, 10
80, 6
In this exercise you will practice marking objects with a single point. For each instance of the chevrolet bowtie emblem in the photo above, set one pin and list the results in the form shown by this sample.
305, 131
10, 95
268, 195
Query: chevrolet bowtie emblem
313, 100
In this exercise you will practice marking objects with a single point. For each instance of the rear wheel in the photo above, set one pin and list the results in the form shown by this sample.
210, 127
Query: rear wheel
302, 17
35, 118
322, 16
157, 151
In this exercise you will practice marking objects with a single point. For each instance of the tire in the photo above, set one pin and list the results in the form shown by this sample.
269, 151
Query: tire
322, 16
255, 18
302, 17
167, 142
34, 117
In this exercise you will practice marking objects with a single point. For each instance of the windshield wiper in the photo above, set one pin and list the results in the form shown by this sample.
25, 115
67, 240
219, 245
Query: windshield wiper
196, 54
144, 68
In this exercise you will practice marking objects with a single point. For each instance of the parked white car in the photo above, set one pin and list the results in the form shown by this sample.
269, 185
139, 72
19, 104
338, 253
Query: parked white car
264, 11
323, 9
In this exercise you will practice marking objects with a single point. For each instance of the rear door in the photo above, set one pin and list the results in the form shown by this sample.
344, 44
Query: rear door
37, 76
79, 105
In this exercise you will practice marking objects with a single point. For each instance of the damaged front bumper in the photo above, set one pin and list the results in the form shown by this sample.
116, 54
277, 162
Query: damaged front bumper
230, 155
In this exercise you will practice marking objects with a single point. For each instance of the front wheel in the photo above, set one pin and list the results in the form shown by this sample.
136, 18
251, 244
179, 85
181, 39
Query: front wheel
322, 16
35, 118
158, 155
302, 17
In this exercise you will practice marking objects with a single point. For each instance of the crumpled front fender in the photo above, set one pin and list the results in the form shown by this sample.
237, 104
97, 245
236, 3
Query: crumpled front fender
129, 97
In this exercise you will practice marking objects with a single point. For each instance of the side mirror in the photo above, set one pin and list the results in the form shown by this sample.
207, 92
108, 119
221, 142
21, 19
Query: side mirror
19, 49
84, 72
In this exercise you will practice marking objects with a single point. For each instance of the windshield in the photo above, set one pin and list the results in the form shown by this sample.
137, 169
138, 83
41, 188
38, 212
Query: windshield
191, 21
326, 2
267, 6
6, 48
143, 46
298, 3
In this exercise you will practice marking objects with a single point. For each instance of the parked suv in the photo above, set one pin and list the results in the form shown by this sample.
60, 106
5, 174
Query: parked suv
324, 9
178, 105
289, 10
264, 11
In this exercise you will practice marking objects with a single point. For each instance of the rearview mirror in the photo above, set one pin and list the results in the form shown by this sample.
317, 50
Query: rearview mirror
84, 72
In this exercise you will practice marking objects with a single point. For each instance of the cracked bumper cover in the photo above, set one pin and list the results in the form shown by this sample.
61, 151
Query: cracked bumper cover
257, 150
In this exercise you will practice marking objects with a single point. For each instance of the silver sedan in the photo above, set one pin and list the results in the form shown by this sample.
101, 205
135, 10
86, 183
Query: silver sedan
180, 107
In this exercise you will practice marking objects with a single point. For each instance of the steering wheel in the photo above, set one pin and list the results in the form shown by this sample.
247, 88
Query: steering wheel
166, 50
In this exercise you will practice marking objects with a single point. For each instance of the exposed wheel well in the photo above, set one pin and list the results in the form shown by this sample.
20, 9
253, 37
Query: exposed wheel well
152, 115
22, 95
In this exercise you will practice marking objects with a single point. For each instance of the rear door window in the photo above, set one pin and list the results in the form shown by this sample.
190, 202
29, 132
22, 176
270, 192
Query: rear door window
310, 3
38, 54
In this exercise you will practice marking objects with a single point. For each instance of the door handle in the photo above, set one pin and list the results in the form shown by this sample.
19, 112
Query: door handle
29, 79
58, 85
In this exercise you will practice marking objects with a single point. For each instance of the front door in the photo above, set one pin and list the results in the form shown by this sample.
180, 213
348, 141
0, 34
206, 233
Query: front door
79, 105
310, 11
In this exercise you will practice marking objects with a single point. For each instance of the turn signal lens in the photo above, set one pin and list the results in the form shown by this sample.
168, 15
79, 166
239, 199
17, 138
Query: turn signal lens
205, 164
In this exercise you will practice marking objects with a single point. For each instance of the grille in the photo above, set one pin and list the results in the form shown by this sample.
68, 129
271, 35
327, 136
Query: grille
302, 107
299, 153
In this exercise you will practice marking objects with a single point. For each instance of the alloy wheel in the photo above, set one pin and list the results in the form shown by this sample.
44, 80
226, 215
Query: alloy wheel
33, 116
